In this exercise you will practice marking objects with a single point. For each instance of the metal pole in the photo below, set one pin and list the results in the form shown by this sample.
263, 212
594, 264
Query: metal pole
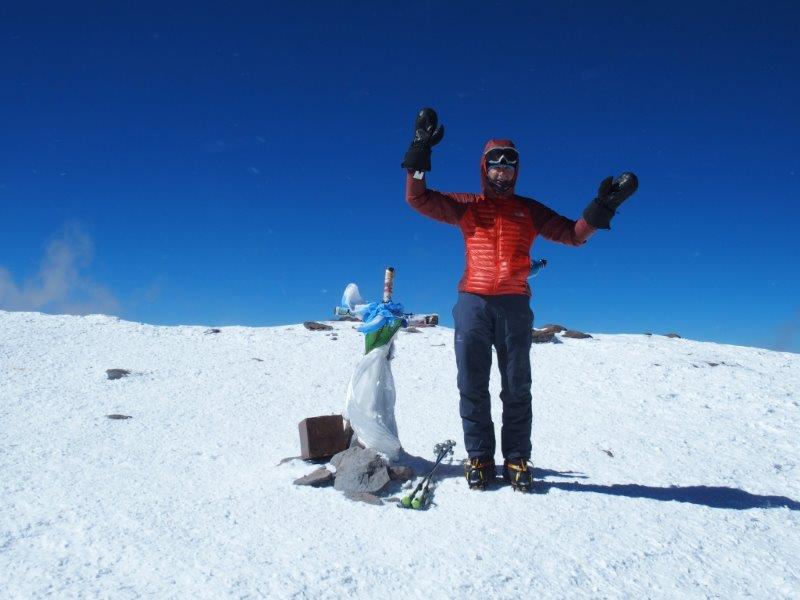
388, 284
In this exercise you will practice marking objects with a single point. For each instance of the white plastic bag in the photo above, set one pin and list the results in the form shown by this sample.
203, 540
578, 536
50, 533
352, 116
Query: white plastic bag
370, 402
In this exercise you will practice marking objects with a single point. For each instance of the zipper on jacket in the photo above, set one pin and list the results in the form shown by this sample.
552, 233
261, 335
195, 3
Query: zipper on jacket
497, 246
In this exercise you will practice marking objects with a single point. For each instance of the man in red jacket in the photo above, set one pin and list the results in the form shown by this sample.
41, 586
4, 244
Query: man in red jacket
493, 307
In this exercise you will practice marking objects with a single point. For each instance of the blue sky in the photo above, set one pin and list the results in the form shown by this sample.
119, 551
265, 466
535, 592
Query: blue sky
239, 164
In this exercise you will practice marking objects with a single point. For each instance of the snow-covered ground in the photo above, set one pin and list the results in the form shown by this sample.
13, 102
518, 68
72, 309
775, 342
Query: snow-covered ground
701, 497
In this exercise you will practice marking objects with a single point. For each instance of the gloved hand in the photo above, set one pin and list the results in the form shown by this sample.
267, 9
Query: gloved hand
612, 192
427, 133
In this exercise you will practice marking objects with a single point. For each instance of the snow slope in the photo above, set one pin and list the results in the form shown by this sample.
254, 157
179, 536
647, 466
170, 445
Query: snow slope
701, 497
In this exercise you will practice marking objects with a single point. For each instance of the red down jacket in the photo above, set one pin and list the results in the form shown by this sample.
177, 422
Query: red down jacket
498, 230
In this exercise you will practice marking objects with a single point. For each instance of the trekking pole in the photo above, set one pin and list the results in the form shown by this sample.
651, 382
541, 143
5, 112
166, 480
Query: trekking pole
416, 502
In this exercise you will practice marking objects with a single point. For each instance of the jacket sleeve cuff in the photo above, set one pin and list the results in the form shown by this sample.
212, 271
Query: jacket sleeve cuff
583, 231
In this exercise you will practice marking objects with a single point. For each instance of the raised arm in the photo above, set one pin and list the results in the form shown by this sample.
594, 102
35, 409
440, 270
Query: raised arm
552, 226
433, 204
443, 207
612, 193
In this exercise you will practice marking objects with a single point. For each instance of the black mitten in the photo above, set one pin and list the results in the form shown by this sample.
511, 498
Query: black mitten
612, 192
427, 133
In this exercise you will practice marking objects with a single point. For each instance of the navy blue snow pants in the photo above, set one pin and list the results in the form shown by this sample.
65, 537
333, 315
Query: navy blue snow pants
504, 322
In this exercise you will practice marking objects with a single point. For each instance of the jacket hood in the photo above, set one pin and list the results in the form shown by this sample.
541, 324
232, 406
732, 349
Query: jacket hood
487, 189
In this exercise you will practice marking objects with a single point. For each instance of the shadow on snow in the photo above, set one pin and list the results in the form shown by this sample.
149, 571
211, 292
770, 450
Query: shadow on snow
702, 495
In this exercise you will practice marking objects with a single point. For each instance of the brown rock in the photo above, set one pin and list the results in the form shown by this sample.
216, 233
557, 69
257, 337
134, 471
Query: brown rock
319, 478
552, 328
541, 337
578, 335
315, 326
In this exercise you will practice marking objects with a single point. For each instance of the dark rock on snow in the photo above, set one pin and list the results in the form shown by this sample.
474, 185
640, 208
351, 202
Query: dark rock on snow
117, 373
319, 478
552, 328
578, 335
543, 337
672, 335
212, 330
360, 470
315, 326
118, 417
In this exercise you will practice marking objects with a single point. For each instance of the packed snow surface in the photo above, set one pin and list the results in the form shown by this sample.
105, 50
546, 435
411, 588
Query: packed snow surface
660, 474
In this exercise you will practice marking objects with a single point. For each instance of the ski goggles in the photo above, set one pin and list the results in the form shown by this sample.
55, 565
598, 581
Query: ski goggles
506, 156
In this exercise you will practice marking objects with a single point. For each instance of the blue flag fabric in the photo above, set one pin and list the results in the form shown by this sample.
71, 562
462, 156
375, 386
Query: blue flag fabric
378, 314
373, 314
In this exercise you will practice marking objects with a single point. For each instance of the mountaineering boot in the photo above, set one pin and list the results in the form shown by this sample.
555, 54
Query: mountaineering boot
519, 473
479, 472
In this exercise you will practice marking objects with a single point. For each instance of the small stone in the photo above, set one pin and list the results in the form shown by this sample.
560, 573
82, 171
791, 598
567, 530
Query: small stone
401, 473
319, 478
118, 417
578, 335
364, 497
672, 335
117, 373
315, 326
412, 329
210, 331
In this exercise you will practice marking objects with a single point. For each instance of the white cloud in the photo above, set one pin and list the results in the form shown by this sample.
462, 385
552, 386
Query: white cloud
60, 285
